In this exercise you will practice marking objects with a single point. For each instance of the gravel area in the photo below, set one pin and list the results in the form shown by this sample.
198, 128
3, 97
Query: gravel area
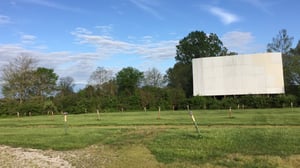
92, 156
100, 156
29, 158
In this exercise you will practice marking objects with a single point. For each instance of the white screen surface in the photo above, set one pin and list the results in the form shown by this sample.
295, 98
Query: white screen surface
238, 75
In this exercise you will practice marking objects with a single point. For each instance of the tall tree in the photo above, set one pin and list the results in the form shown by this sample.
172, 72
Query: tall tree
180, 76
100, 76
294, 57
66, 85
45, 82
18, 78
196, 44
296, 51
128, 79
281, 43
154, 78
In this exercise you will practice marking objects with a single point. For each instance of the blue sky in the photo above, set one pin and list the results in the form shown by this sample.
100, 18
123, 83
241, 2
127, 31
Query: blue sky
74, 37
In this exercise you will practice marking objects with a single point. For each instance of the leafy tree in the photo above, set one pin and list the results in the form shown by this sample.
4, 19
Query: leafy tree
175, 97
296, 51
294, 64
198, 44
18, 78
109, 88
180, 77
128, 79
45, 82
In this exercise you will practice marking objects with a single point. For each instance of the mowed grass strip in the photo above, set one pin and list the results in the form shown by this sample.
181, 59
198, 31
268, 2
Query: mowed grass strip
214, 143
172, 138
250, 117
55, 138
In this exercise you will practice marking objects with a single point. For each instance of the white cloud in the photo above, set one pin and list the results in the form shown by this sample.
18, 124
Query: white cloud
241, 42
105, 29
108, 46
54, 5
59, 61
158, 51
116, 53
28, 39
226, 17
4, 19
148, 6
81, 30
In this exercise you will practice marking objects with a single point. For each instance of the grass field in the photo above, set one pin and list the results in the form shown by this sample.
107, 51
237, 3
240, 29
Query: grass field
250, 138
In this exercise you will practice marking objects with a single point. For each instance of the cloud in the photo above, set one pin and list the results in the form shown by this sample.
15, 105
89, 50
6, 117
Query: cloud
51, 4
241, 42
64, 63
108, 52
106, 29
158, 51
226, 17
148, 7
81, 30
146, 48
4, 19
27, 39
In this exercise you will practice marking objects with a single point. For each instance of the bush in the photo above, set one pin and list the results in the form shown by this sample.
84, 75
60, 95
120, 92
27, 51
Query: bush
30, 107
8, 107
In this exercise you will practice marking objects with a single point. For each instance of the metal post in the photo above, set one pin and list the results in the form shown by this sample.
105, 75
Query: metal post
194, 121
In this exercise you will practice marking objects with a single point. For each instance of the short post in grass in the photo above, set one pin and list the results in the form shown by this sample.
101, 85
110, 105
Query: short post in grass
66, 124
194, 121
230, 113
292, 106
98, 115
18, 114
158, 114
52, 115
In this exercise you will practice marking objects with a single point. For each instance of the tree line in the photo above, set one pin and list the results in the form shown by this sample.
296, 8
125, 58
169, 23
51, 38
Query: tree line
28, 88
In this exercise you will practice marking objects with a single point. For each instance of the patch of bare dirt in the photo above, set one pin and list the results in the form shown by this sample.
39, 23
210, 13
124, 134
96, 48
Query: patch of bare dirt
103, 156
29, 158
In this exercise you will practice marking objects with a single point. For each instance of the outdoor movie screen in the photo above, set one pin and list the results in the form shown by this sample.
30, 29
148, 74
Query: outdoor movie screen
238, 75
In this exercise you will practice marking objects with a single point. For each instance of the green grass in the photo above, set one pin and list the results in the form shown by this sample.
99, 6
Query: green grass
204, 117
172, 138
180, 145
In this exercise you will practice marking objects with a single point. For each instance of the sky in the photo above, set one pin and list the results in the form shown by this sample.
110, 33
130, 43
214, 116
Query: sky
74, 37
